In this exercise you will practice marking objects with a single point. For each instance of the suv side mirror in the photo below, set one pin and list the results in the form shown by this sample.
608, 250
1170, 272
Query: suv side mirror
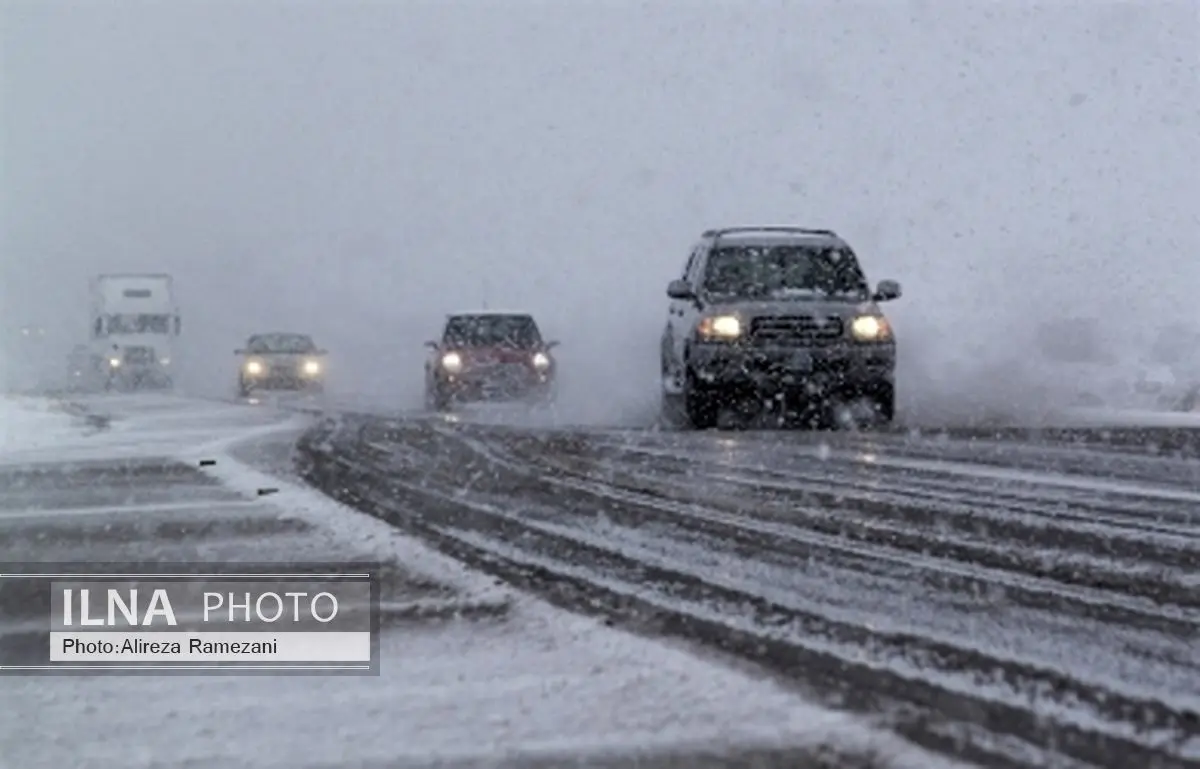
431, 344
680, 289
239, 352
321, 352
886, 291
551, 344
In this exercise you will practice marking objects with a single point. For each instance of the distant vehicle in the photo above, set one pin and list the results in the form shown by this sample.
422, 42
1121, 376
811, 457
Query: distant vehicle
281, 361
135, 328
489, 356
1075, 340
79, 368
1084, 366
30, 359
777, 313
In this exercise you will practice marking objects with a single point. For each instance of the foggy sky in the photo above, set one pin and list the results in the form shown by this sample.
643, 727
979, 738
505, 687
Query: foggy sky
357, 170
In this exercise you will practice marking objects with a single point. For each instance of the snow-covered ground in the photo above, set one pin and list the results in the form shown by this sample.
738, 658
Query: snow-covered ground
535, 680
144, 425
1105, 417
32, 423
543, 682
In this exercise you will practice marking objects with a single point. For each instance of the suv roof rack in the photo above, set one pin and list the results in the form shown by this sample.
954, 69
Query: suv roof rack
716, 233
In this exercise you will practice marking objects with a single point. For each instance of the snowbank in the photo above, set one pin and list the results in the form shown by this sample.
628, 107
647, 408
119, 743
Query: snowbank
1101, 417
34, 423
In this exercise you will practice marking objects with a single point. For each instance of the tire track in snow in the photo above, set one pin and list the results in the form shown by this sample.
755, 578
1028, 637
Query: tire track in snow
532, 521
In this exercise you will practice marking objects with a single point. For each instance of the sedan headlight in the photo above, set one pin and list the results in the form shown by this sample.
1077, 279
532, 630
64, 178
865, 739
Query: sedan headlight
452, 362
720, 327
114, 362
312, 367
254, 367
871, 328
541, 360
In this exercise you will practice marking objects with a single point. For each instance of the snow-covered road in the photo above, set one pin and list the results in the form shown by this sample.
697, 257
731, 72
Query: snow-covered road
489, 688
1035, 599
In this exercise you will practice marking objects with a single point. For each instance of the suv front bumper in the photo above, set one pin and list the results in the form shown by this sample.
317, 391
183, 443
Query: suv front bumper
772, 369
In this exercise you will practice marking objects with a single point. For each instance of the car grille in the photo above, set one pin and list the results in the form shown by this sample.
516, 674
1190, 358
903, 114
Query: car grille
498, 375
505, 372
282, 369
797, 330
139, 355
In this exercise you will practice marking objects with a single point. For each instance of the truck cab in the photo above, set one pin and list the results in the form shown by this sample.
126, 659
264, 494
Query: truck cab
135, 324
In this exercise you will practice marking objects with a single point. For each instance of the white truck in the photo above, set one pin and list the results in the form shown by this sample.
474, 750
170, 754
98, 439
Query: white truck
135, 325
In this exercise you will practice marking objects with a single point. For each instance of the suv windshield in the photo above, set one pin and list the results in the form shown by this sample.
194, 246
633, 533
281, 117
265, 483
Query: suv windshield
783, 272
290, 343
492, 331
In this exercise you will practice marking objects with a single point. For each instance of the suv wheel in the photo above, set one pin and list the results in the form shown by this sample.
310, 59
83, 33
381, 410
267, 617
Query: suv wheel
700, 404
881, 398
885, 402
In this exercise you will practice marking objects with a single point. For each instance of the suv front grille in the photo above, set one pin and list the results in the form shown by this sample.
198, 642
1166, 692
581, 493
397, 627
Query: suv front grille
796, 330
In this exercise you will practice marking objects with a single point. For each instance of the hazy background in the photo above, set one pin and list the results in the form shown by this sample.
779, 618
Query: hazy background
356, 170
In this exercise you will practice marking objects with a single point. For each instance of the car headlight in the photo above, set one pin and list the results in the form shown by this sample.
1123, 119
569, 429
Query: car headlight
541, 360
720, 327
452, 362
871, 328
114, 362
254, 367
312, 367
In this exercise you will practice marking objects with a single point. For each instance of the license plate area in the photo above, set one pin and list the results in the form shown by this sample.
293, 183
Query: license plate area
796, 362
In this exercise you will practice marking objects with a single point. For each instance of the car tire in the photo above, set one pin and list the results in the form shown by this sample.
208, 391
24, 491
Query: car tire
701, 406
436, 401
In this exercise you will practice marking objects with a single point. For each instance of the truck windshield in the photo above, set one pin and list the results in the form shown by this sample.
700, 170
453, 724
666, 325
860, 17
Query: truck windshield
139, 324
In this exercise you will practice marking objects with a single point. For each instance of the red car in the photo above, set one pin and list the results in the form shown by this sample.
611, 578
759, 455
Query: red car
489, 356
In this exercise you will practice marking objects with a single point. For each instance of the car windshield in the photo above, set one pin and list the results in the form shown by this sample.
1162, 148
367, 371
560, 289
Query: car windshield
784, 272
492, 331
291, 343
